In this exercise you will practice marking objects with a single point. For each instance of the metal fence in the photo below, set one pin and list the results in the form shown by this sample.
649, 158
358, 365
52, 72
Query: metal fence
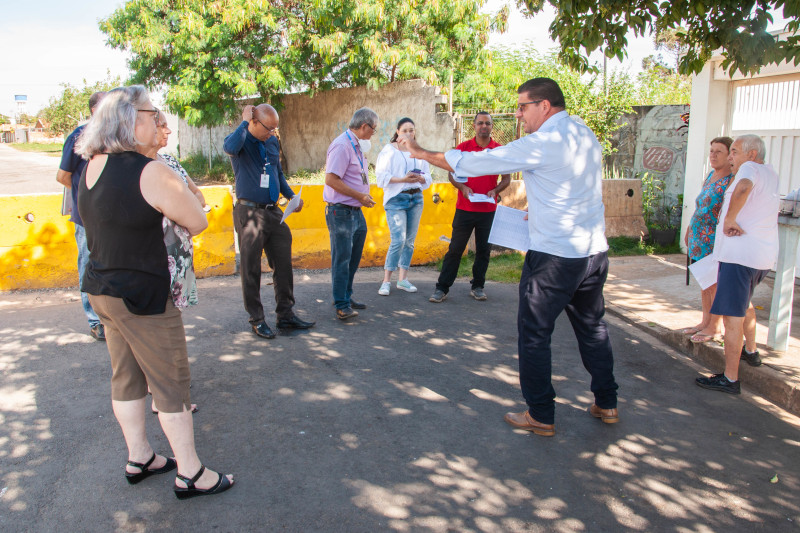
506, 129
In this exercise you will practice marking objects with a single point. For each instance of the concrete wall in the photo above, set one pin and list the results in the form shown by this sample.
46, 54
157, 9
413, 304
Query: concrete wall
309, 123
653, 141
622, 199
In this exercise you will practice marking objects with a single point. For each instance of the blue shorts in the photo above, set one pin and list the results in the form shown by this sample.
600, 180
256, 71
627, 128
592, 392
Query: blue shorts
735, 287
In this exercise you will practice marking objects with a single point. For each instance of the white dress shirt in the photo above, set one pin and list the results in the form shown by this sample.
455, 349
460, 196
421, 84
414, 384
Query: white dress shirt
561, 165
393, 163
758, 246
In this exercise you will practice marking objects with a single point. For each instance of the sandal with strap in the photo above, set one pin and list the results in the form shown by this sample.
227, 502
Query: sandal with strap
190, 491
134, 478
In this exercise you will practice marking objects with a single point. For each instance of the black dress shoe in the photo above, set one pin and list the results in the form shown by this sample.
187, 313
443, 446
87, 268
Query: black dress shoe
344, 314
357, 305
263, 330
294, 323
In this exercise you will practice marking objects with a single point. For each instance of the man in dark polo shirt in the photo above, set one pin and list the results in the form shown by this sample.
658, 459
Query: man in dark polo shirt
254, 153
69, 175
477, 216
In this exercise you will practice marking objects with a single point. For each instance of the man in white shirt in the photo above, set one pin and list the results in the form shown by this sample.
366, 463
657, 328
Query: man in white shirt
746, 247
567, 264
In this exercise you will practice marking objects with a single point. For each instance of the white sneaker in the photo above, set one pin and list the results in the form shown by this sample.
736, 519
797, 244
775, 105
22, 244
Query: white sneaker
385, 288
406, 285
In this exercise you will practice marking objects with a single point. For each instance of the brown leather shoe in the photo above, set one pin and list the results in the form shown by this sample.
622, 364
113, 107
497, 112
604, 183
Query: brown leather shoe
609, 416
525, 421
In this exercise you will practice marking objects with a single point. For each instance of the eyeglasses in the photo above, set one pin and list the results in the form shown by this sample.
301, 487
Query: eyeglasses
373, 128
154, 111
483, 123
521, 105
270, 130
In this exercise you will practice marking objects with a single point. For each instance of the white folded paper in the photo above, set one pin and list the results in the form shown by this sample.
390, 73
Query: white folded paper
292, 205
510, 229
705, 271
475, 197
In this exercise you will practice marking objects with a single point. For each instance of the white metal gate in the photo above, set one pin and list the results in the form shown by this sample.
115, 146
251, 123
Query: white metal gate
770, 107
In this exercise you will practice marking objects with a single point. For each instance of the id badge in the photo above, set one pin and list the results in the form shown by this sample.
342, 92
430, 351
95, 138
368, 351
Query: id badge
364, 178
264, 180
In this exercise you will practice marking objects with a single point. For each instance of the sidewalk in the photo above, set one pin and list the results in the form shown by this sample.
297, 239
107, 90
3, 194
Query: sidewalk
651, 292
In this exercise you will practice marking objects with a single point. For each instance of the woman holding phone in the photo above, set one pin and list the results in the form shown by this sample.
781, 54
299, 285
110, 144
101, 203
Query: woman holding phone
402, 179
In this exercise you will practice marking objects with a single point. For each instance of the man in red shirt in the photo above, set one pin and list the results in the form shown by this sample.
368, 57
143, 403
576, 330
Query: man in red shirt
471, 216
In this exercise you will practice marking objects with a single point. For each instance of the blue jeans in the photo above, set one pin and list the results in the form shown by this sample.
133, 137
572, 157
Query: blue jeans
402, 214
83, 261
348, 231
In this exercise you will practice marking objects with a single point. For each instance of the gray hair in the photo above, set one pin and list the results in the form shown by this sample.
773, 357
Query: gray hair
753, 142
363, 116
112, 128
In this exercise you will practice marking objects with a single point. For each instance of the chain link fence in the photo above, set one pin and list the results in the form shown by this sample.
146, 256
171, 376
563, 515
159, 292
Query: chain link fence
506, 129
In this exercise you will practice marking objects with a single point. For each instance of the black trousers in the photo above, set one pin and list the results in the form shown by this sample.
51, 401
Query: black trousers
463, 224
260, 230
548, 286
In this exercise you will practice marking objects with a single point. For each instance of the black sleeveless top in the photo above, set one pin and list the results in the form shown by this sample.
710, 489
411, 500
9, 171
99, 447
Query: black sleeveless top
127, 256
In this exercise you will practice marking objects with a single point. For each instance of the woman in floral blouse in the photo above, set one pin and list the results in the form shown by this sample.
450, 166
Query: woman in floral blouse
702, 230
178, 241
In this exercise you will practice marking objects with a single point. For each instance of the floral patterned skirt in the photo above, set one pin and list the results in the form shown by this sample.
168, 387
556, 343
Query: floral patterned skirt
180, 257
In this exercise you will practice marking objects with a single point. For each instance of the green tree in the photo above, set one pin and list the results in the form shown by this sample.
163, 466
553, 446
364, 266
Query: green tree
658, 84
208, 55
738, 28
494, 86
71, 107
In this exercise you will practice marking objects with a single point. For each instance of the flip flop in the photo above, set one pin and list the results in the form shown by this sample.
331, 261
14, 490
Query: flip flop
699, 338
690, 331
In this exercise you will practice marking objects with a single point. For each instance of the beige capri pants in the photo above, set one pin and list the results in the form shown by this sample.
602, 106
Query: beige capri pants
146, 350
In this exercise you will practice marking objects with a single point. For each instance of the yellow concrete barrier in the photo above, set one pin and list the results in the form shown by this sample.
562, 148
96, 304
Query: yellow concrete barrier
311, 240
37, 243
37, 246
214, 252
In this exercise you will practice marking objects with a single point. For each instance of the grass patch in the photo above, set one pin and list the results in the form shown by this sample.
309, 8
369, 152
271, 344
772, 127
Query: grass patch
622, 246
51, 149
507, 267
196, 166
305, 176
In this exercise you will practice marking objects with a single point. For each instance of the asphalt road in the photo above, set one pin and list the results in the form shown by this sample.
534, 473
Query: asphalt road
27, 173
390, 423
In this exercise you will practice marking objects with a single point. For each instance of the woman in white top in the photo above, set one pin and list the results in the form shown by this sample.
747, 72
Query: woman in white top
402, 179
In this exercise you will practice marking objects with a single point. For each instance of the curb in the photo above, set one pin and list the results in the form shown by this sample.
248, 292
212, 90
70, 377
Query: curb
763, 380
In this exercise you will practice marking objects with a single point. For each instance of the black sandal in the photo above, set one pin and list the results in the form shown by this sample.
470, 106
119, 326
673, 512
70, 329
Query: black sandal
190, 491
133, 479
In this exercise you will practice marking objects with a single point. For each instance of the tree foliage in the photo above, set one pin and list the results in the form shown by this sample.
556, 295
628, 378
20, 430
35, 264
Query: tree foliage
208, 54
658, 84
738, 28
67, 110
494, 85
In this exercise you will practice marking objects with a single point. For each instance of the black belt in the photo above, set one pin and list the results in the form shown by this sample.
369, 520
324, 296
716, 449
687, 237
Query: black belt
345, 206
248, 203
412, 191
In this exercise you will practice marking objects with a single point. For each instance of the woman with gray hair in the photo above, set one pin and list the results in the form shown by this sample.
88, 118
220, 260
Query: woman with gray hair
123, 197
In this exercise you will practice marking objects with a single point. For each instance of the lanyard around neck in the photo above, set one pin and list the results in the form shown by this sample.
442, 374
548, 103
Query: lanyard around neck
357, 151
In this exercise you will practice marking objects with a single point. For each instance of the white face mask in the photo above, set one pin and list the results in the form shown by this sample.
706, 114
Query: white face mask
365, 145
